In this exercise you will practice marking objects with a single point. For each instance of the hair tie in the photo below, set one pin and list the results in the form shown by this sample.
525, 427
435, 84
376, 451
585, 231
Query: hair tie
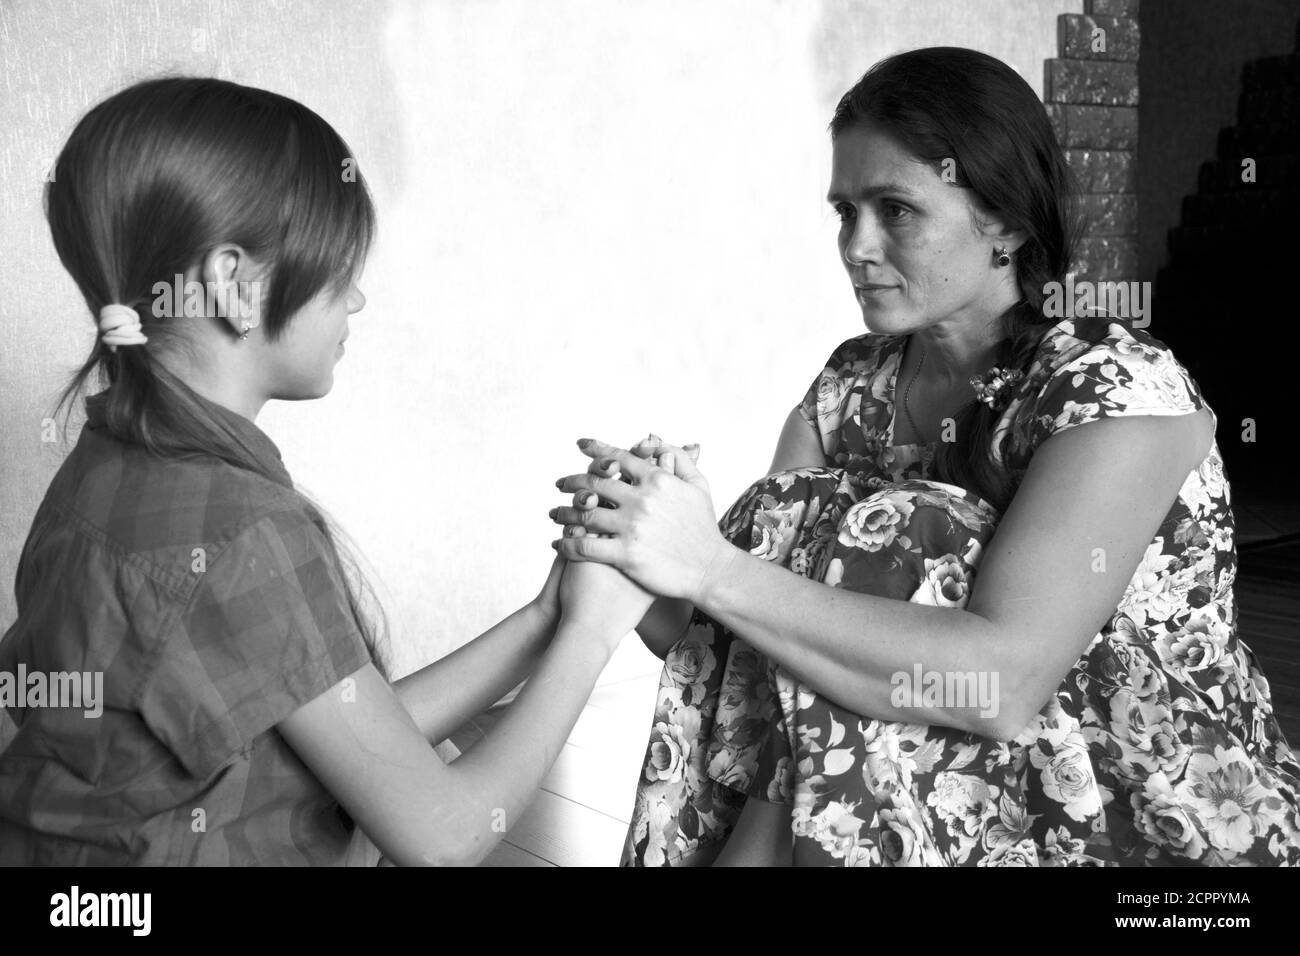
993, 388
120, 325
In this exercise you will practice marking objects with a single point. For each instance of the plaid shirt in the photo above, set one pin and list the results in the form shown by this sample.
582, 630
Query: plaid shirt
213, 605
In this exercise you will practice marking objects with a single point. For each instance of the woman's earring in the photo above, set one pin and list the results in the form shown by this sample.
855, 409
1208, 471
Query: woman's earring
244, 328
1002, 257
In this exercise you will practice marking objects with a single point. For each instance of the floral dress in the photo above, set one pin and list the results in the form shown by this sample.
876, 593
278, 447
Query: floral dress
1159, 746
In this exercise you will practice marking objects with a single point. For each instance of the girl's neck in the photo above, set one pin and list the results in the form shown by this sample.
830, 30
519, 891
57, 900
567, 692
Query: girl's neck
220, 383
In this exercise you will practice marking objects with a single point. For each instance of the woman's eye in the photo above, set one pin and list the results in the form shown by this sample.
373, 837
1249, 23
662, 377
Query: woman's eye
894, 212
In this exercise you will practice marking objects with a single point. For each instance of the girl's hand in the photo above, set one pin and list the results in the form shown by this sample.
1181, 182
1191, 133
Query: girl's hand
662, 529
547, 602
601, 601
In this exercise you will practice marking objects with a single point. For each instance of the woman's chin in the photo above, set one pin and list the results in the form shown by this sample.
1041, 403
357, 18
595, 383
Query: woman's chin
883, 321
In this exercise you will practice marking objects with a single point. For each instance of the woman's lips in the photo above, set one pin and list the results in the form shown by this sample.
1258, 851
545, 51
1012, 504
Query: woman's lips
870, 292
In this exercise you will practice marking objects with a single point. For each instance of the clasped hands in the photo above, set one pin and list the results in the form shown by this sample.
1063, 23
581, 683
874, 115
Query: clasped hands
640, 525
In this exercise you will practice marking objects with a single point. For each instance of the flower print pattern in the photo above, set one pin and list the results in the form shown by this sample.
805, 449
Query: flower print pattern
1159, 746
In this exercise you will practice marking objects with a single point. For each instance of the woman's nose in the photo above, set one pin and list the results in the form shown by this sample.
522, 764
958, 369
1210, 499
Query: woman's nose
863, 244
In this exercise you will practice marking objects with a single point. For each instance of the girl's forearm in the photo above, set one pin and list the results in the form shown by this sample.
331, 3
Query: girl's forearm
500, 776
850, 647
442, 696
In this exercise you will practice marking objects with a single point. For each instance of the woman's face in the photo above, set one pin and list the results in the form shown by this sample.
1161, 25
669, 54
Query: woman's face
312, 344
912, 248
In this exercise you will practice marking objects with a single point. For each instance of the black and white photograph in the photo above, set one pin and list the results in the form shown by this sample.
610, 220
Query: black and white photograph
650, 433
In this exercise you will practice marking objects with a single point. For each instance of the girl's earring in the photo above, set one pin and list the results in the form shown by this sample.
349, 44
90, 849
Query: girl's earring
244, 328
1002, 257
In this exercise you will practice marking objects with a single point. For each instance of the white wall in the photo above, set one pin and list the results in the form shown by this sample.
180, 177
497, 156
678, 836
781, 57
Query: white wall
596, 219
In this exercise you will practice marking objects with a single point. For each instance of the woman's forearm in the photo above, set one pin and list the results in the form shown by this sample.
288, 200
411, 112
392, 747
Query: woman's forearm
442, 696
664, 624
850, 647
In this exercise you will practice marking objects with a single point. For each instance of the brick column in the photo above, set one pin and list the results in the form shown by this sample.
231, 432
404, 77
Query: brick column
1091, 93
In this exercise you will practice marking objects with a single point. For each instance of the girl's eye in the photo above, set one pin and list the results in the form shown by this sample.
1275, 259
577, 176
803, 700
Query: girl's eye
845, 211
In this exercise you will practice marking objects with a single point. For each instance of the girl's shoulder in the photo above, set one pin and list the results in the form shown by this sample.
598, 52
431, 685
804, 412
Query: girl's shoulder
164, 517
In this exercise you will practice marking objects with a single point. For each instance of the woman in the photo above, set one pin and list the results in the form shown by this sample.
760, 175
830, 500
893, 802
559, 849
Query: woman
1082, 700
243, 701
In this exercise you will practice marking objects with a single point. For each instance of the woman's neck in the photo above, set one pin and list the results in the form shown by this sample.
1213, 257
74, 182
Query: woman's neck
958, 347
952, 360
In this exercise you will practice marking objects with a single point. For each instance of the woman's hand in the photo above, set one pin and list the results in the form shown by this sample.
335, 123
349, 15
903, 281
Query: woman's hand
652, 447
662, 529
667, 619
601, 601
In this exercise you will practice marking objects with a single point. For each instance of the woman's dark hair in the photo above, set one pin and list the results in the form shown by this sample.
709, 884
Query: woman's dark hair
956, 104
150, 181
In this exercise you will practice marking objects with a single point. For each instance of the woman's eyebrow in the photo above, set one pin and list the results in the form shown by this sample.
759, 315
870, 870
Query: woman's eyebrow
871, 192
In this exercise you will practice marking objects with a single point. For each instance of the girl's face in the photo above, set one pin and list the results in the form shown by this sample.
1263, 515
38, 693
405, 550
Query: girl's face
909, 240
302, 360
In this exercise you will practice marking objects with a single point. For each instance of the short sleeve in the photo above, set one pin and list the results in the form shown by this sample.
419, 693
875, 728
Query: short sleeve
1119, 376
268, 628
824, 400
852, 383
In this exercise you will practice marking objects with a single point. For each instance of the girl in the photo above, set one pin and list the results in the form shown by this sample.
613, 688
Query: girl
244, 701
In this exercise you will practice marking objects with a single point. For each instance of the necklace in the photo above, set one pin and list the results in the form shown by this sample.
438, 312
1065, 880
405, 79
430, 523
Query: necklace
908, 392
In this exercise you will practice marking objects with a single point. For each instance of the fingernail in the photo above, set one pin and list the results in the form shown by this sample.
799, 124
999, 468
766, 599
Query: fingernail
584, 442
559, 483
555, 545
607, 464
654, 437
691, 447
552, 513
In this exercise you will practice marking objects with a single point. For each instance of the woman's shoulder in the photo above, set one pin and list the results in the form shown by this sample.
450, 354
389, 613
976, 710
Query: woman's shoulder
852, 387
1098, 367
1097, 338
861, 351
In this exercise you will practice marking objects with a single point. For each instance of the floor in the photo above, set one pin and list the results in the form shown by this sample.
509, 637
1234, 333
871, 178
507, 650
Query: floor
581, 815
